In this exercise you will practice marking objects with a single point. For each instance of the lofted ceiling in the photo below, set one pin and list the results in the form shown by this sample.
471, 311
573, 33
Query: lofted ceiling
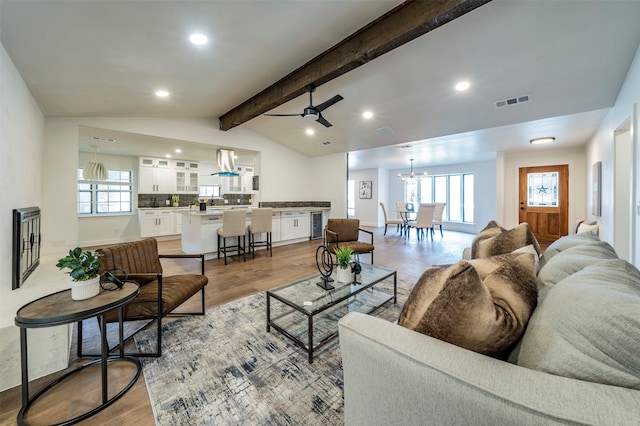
106, 58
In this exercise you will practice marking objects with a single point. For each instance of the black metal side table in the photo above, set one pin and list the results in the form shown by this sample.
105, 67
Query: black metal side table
59, 309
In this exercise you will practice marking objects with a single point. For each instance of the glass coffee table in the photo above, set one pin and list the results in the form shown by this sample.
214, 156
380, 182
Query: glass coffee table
308, 315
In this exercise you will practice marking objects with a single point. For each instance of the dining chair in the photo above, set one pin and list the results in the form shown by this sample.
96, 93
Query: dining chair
399, 222
234, 224
261, 222
423, 221
437, 217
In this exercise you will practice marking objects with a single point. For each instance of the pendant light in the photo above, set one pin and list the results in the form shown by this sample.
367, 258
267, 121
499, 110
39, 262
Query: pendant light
94, 170
411, 175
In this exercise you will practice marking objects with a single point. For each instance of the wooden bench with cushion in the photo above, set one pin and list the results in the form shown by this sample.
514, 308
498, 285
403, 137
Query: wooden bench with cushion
159, 294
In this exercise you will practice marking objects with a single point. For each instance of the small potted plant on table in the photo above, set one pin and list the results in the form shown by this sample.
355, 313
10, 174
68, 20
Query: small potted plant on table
343, 254
85, 271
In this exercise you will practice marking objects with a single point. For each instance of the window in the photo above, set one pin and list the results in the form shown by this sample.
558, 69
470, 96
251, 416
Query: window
105, 197
456, 190
209, 191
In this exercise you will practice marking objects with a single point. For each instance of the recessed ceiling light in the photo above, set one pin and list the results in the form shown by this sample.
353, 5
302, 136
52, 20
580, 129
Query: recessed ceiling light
310, 131
198, 39
167, 156
162, 93
539, 141
462, 86
367, 115
178, 150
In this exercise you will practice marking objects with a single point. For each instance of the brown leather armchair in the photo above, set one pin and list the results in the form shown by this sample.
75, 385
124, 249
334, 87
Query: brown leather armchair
346, 233
159, 295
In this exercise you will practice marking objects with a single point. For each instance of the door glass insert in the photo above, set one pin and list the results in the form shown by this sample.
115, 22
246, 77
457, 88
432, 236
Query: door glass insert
542, 189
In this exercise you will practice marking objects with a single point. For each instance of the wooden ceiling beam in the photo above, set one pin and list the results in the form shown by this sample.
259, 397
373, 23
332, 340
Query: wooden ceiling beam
402, 24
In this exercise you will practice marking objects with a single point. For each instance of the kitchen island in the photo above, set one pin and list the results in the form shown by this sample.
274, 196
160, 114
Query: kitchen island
289, 225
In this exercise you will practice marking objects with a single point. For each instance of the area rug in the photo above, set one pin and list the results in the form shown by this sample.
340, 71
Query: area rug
225, 368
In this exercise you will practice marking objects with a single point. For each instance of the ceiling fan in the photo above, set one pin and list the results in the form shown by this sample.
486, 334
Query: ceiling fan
314, 112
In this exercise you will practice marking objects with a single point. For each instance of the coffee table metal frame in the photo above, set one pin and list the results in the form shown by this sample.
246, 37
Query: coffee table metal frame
305, 297
59, 309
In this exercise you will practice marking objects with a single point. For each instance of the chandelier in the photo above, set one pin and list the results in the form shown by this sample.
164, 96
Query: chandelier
411, 175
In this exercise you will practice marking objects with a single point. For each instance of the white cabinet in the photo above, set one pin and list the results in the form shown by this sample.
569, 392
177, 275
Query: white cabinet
200, 234
186, 182
241, 184
155, 223
294, 225
156, 163
155, 176
162, 176
186, 173
275, 227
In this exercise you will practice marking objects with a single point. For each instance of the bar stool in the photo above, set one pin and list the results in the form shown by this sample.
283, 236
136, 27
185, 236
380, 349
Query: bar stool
234, 224
261, 222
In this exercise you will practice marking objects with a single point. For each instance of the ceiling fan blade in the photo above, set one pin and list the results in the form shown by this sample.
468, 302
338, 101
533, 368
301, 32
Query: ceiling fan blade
323, 121
285, 115
327, 104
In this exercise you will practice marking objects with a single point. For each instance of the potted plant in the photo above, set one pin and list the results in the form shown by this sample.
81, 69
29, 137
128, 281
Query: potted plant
175, 199
85, 272
343, 255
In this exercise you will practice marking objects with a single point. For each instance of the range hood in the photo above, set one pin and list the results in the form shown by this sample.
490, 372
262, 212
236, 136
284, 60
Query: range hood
226, 163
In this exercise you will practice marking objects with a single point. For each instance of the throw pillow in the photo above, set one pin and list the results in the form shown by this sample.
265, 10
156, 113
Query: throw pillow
482, 305
494, 240
587, 227
588, 327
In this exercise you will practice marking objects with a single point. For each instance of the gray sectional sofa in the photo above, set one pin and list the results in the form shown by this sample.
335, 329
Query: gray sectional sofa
578, 361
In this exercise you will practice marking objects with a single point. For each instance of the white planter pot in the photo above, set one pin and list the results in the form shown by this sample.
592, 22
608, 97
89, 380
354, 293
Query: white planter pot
81, 290
343, 275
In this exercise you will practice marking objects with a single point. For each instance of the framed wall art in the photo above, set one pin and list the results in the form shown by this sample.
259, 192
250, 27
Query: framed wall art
365, 189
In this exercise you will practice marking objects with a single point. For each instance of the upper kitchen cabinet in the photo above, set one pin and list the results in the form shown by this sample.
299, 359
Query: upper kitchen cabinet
241, 184
155, 176
186, 173
162, 176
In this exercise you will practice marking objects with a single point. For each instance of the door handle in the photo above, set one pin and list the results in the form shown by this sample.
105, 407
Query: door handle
522, 208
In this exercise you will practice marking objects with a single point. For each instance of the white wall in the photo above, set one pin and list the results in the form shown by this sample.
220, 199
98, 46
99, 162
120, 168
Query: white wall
367, 210
601, 148
512, 161
484, 192
21, 145
328, 176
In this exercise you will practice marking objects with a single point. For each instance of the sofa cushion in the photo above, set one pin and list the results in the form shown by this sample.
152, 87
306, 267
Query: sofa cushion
588, 327
571, 260
564, 243
494, 240
482, 304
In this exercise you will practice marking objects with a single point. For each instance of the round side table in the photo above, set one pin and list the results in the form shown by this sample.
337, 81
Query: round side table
59, 309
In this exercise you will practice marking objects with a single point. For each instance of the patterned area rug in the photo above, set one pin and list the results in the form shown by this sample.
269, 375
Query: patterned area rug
224, 368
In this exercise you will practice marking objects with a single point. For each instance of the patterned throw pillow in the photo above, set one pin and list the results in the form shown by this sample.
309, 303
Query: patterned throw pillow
482, 305
494, 240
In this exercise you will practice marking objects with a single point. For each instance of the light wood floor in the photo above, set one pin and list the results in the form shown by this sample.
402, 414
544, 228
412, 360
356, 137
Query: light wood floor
409, 256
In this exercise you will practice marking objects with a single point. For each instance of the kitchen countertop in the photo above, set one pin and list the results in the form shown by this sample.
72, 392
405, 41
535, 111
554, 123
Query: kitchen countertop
217, 211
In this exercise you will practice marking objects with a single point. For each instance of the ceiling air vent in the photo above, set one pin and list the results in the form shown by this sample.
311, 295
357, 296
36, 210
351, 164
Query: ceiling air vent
383, 131
511, 101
